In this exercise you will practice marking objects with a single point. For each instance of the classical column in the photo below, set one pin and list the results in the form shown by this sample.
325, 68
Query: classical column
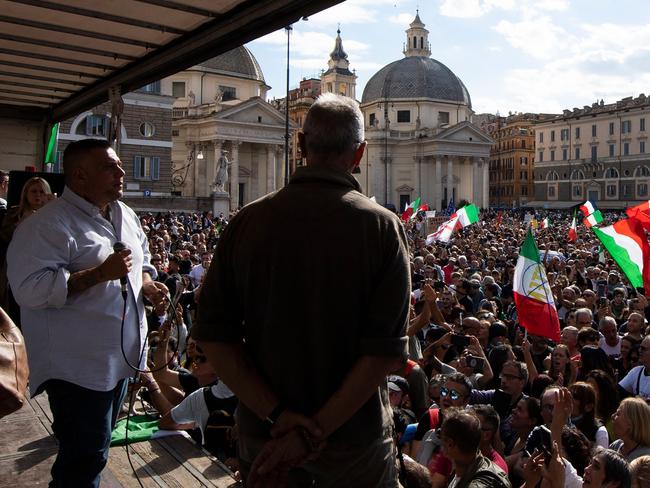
417, 180
450, 179
438, 184
476, 195
279, 167
270, 168
212, 175
389, 181
196, 147
234, 175
486, 184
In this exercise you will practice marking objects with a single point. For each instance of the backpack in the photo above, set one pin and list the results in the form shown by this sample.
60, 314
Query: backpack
430, 441
218, 438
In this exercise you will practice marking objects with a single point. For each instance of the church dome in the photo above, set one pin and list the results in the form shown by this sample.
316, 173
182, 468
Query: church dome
239, 62
416, 77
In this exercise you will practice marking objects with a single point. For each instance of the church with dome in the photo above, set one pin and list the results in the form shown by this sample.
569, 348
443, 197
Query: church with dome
220, 111
421, 140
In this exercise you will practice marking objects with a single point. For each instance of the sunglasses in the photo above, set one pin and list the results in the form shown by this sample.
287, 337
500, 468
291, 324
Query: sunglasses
453, 394
200, 359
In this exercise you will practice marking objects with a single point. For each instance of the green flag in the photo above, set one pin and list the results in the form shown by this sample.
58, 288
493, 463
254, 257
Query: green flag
50, 155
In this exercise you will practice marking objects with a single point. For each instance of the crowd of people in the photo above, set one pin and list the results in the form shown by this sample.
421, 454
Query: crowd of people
434, 340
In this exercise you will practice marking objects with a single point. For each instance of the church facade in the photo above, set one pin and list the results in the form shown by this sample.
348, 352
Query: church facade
421, 140
220, 109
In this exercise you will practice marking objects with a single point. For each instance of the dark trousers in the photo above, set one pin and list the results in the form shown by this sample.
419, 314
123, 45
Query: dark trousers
83, 421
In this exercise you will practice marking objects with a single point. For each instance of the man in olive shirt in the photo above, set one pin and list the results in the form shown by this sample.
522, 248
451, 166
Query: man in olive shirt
303, 313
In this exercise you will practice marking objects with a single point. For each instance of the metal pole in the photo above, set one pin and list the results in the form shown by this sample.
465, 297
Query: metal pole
286, 118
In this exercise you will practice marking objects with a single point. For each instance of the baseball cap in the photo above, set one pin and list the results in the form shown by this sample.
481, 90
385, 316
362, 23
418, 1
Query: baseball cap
397, 383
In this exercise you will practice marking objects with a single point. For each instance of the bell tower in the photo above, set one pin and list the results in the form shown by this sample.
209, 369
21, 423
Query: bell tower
338, 78
417, 39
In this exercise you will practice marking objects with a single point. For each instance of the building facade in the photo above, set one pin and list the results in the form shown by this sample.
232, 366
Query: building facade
220, 109
421, 140
511, 160
598, 152
144, 145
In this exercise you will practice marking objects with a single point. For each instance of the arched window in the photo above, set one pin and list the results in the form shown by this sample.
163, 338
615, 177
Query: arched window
577, 175
421, 42
641, 171
611, 173
415, 42
552, 176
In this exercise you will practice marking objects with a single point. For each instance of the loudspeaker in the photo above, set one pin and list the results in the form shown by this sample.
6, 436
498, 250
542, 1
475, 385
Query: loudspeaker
17, 180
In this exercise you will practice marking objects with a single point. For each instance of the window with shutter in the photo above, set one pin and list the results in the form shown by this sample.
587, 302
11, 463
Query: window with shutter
137, 167
155, 168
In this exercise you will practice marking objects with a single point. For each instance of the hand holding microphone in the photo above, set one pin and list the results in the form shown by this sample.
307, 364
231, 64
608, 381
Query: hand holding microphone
117, 265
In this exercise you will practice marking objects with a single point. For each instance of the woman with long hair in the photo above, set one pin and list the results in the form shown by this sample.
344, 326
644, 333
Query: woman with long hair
607, 397
36, 192
561, 370
631, 422
583, 415
640, 471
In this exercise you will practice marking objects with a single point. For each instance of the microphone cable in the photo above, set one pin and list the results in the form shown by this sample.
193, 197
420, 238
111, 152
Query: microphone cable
171, 309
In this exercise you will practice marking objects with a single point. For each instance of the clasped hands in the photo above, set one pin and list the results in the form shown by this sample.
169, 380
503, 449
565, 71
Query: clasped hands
296, 439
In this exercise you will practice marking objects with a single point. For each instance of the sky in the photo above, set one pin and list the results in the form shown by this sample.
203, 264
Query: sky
512, 55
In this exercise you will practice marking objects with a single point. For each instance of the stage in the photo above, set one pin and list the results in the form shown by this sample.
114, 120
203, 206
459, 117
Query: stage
28, 449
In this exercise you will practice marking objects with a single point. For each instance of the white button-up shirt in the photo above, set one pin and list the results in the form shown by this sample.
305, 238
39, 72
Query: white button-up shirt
78, 338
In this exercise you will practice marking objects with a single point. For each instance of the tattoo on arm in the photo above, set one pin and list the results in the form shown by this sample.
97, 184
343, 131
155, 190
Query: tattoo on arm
84, 279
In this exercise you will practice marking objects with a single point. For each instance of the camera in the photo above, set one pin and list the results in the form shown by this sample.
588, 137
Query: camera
460, 340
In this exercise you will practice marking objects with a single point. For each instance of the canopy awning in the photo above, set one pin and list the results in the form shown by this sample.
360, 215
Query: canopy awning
60, 57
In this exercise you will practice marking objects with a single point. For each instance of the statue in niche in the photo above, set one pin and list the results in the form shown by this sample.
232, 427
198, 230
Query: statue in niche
192, 98
222, 172
218, 96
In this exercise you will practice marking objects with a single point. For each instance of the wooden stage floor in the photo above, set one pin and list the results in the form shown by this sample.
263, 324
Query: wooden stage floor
28, 449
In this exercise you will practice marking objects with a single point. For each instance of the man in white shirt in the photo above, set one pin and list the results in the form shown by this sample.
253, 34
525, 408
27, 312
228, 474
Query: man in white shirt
637, 381
84, 334
611, 341
197, 271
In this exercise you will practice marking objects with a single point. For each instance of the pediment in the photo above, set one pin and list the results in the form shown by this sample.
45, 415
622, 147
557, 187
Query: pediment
592, 184
244, 172
464, 132
455, 179
254, 111
404, 189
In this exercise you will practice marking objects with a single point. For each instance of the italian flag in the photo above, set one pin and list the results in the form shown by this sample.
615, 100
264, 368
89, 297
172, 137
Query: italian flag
593, 219
444, 232
536, 310
587, 208
545, 223
641, 213
467, 215
573, 234
410, 209
628, 245
422, 208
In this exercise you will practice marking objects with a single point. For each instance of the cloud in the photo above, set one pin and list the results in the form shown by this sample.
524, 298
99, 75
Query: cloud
350, 12
403, 19
539, 37
475, 8
463, 8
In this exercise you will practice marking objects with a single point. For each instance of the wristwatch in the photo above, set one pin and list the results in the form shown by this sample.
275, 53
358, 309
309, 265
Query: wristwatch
273, 417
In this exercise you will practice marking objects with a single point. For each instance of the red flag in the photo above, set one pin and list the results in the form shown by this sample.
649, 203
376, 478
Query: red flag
573, 235
641, 213
499, 218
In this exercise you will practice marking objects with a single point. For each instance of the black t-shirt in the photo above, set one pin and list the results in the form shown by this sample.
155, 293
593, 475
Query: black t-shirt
188, 382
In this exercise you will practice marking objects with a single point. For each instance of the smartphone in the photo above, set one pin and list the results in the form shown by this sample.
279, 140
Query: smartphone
460, 340
476, 363
547, 443
602, 302
602, 288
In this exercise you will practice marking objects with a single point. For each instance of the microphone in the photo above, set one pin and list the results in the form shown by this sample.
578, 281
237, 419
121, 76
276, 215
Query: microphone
117, 247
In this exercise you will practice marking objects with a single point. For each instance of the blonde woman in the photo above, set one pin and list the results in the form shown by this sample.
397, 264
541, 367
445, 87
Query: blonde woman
36, 192
640, 471
631, 422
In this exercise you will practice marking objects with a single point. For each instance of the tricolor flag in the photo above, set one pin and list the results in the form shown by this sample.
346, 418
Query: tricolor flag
588, 208
534, 302
444, 232
467, 215
52, 143
410, 209
422, 208
573, 234
641, 213
545, 223
593, 219
628, 245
